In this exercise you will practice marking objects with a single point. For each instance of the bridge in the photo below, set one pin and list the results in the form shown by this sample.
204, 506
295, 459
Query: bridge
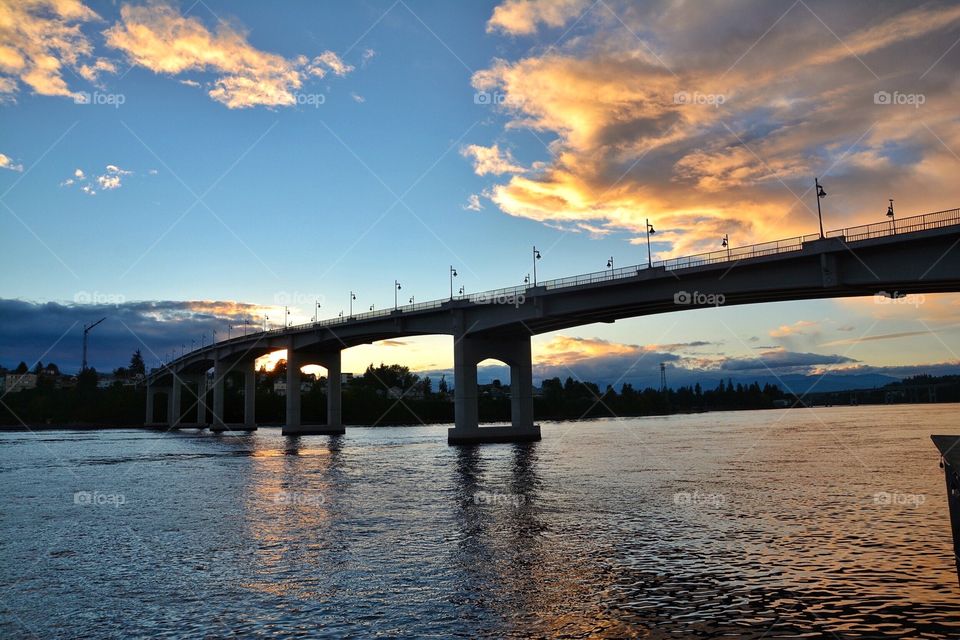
894, 258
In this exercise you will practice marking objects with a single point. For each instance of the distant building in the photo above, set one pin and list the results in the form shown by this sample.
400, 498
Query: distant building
17, 382
346, 378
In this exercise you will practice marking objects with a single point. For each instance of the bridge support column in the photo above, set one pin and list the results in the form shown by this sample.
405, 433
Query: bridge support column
148, 420
250, 396
216, 421
293, 426
513, 350
173, 402
202, 399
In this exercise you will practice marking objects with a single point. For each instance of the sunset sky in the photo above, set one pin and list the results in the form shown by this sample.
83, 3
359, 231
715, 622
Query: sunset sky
180, 167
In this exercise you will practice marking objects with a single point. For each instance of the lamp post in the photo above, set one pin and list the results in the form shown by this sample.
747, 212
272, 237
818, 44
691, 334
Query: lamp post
725, 243
316, 311
412, 300
650, 232
893, 219
246, 321
353, 297
820, 194
286, 317
371, 307
453, 274
526, 279
610, 264
396, 288
461, 290
266, 321
536, 256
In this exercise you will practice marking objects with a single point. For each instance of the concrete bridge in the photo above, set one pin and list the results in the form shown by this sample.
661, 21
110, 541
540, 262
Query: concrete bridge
919, 254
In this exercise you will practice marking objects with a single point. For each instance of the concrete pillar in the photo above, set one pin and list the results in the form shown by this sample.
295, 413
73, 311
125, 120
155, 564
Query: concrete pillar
513, 350
216, 420
149, 419
173, 403
202, 398
521, 387
291, 424
334, 407
250, 396
331, 361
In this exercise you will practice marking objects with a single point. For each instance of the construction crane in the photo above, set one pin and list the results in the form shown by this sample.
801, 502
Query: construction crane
86, 330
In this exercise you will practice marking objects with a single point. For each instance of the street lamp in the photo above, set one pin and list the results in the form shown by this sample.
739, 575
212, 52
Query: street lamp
536, 256
453, 274
650, 232
266, 321
286, 317
725, 243
610, 264
411, 299
820, 194
371, 307
353, 297
246, 321
316, 312
893, 219
396, 288
526, 279
461, 290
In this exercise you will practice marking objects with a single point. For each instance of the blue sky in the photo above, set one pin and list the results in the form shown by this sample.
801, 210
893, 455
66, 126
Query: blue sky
252, 157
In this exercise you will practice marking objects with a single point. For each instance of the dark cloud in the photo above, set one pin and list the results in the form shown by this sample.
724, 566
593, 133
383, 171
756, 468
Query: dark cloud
53, 332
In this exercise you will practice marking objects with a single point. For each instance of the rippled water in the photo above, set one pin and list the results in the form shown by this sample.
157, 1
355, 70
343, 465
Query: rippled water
801, 523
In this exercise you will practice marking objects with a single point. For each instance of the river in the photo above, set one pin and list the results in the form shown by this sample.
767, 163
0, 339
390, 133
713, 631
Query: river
827, 522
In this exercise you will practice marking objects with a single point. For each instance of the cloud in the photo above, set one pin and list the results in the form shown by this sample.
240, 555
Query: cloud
800, 327
521, 17
39, 40
358, 98
155, 328
111, 179
779, 359
491, 160
158, 38
473, 203
694, 120
7, 163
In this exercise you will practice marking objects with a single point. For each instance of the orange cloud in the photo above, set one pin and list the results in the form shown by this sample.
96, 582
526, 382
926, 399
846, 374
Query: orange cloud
42, 38
160, 39
521, 17
491, 160
710, 131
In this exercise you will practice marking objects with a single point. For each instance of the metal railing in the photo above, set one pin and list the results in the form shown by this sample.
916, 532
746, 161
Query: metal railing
935, 220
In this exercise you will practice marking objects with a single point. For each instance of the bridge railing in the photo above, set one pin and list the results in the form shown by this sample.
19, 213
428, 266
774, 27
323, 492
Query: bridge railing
935, 220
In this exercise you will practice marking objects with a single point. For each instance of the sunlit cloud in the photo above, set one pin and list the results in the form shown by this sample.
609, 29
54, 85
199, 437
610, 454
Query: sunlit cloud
491, 160
522, 17
654, 112
40, 40
160, 39
10, 165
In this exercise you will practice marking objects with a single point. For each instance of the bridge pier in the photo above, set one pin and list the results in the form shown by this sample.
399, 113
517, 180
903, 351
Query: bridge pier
293, 425
173, 403
467, 353
216, 420
250, 396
